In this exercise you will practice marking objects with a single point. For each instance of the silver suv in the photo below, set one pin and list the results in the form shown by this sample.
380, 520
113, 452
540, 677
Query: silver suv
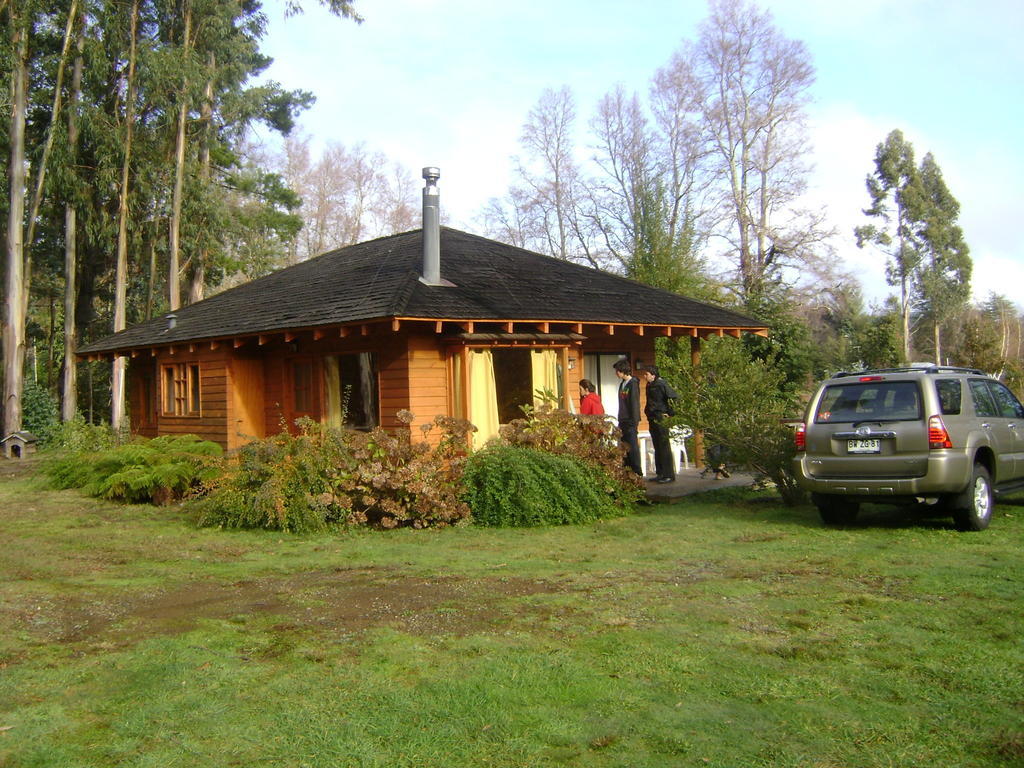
935, 435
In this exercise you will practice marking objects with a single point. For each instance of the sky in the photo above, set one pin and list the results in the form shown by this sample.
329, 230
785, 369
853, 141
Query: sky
449, 83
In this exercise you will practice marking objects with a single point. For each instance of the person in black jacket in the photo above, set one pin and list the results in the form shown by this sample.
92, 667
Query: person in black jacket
629, 413
657, 410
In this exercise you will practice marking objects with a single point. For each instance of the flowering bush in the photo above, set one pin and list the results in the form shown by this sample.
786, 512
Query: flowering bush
324, 475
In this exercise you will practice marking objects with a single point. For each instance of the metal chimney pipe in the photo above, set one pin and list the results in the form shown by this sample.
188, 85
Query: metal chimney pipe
431, 228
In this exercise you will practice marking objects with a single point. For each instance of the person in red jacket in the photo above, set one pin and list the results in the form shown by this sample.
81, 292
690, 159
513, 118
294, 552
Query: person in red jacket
590, 403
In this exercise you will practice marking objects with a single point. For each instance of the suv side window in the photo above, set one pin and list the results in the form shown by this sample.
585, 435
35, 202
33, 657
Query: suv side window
950, 396
984, 404
1008, 405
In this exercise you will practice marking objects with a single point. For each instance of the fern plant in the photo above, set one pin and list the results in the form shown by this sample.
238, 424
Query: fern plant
160, 470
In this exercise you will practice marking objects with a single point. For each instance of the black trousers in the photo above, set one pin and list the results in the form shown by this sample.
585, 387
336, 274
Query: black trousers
629, 437
663, 462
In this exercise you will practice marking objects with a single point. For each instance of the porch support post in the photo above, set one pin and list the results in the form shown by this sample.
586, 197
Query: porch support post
698, 434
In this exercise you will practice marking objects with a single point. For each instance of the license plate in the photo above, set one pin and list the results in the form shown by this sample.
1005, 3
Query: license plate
864, 446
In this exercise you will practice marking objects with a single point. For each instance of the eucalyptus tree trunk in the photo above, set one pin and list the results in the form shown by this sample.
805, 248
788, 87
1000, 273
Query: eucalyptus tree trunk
904, 297
173, 279
151, 283
58, 90
17, 299
69, 401
197, 285
117, 380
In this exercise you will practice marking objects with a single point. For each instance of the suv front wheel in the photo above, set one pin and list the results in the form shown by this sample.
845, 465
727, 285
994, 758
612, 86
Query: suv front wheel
972, 509
835, 510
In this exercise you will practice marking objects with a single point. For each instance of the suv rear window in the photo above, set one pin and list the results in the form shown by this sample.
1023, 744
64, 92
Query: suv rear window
869, 401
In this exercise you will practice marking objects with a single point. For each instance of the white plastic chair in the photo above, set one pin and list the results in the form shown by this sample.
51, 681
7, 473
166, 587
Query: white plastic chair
646, 451
678, 436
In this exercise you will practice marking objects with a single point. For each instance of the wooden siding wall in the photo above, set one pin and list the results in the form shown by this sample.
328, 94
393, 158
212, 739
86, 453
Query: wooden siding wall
244, 392
393, 379
428, 380
273, 393
573, 374
211, 423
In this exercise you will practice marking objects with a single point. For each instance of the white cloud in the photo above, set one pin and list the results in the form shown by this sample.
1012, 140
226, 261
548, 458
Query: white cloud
844, 142
985, 181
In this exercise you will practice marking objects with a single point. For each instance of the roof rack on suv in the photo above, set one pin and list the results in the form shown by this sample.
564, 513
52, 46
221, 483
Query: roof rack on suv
930, 368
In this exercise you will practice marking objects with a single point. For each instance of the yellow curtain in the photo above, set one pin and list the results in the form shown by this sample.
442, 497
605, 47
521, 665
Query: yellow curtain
483, 396
457, 403
544, 364
333, 413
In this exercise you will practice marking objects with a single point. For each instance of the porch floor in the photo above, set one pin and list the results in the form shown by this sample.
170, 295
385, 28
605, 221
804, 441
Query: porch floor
689, 481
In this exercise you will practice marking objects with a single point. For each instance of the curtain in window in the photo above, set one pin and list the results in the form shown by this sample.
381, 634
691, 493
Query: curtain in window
544, 363
458, 410
483, 396
333, 415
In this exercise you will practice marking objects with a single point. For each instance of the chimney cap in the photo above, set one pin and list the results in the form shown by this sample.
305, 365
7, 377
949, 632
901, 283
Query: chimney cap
431, 174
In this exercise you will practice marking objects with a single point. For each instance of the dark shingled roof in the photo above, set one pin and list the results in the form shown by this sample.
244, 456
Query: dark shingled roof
379, 279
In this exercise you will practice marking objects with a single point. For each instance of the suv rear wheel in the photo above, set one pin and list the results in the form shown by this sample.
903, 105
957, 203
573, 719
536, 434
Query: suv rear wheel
972, 509
835, 510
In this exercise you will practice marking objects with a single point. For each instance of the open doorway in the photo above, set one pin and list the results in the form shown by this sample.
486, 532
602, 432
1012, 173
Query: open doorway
598, 368
513, 382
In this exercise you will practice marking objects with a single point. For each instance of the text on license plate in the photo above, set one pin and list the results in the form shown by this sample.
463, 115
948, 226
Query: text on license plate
864, 446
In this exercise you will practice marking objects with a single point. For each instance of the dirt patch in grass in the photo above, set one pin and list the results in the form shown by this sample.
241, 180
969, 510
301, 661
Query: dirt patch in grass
340, 602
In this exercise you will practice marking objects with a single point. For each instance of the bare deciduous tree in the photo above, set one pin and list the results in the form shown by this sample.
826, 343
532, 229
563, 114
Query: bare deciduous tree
625, 155
348, 195
548, 210
755, 87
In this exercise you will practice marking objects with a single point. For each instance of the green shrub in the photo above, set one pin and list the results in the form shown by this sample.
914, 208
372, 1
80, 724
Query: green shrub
303, 482
39, 411
79, 436
740, 404
159, 470
593, 440
512, 486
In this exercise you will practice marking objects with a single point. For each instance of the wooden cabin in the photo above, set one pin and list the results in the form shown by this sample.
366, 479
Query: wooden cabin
452, 324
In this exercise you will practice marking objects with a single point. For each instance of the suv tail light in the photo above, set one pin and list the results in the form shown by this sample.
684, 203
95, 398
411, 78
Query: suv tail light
938, 437
800, 437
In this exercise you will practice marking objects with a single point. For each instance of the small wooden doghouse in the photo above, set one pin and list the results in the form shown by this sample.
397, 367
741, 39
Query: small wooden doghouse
435, 321
18, 445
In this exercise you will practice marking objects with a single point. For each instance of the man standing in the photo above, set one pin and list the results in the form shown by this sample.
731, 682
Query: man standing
629, 413
659, 408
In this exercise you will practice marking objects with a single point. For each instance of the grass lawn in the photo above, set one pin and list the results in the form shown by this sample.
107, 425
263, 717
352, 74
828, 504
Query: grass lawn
723, 630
